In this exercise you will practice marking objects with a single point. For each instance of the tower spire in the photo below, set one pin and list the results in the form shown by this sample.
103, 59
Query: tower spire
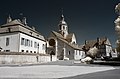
62, 16
63, 28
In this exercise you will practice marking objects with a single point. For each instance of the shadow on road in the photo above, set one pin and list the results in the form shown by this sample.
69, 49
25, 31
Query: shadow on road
108, 63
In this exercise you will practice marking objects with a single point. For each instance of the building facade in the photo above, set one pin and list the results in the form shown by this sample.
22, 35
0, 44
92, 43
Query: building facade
102, 44
17, 36
63, 44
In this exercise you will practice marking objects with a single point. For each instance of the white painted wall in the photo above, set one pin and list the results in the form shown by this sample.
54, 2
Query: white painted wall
73, 39
79, 54
13, 42
108, 50
29, 48
21, 59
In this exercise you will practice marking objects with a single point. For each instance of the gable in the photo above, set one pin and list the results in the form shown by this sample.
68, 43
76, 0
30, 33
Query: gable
107, 42
71, 38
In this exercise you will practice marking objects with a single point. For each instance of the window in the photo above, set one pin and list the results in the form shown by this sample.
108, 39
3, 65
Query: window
34, 51
30, 51
22, 50
31, 43
38, 45
63, 27
34, 44
9, 29
43, 47
69, 53
31, 33
7, 50
27, 51
25, 42
22, 41
38, 35
7, 41
76, 53
60, 27
79, 53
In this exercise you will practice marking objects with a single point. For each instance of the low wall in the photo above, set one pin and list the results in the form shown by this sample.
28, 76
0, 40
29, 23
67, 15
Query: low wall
24, 59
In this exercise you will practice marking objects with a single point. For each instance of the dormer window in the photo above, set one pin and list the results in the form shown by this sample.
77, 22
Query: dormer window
31, 33
9, 29
38, 35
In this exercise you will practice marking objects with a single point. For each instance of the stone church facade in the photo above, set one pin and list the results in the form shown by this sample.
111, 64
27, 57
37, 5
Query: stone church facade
63, 44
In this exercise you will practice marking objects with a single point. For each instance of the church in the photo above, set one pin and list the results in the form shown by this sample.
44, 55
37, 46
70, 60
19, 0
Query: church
63, 44
17, 36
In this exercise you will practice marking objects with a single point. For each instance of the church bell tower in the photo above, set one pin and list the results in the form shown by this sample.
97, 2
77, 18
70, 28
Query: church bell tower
63, 28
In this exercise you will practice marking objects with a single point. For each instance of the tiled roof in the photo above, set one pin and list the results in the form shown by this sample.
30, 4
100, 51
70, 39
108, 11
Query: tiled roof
57, 34
102, 40
16, 25
60, 37
69, 37
92, 43
14, 22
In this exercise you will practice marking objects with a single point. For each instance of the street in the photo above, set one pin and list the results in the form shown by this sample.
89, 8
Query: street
60, 69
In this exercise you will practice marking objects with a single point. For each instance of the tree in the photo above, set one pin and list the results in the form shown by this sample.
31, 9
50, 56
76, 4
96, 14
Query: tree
118, 49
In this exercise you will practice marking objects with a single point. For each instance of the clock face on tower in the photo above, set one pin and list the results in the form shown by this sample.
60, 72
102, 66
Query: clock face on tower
52, 42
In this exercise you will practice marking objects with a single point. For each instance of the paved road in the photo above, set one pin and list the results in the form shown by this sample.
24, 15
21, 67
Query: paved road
110, 74
59, 69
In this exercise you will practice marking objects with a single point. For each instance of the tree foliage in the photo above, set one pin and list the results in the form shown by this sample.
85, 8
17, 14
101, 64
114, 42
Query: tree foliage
118, 47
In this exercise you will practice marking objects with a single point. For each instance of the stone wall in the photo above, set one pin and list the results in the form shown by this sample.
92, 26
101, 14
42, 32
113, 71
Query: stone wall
25, 59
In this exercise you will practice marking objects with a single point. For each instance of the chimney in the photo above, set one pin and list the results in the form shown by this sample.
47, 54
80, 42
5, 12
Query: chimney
9, 19
85, 42
98, 39
24, 21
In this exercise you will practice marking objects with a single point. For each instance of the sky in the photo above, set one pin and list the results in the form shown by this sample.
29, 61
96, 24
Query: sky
88, 19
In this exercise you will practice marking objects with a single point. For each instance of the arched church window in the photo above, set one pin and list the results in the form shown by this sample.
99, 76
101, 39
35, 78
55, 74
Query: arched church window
69, 53
63, 27
60, 27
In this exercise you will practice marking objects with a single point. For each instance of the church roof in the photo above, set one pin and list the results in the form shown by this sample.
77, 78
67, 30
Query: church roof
69, 37
57, 34
60, 37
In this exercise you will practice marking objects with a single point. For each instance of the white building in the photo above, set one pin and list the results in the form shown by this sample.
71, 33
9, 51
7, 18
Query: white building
63, 44
17, 36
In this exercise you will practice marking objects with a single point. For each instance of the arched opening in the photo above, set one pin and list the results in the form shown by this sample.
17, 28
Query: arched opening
51, 53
